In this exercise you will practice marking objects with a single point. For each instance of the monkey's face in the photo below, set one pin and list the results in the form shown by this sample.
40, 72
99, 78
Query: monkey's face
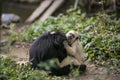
71, 36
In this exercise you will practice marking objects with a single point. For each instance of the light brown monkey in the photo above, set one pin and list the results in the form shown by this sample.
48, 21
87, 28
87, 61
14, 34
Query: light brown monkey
74, 47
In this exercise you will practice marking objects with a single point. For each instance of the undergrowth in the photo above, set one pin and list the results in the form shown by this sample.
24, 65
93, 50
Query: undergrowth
100, 36
9, 70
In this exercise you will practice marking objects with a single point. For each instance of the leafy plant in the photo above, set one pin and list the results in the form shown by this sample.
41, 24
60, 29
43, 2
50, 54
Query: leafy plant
100, 35
9, 70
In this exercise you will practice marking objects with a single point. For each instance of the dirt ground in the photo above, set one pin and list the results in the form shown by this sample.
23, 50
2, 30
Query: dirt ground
20, 51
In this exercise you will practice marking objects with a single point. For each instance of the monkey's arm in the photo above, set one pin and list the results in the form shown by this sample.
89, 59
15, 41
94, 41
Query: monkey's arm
67, 61
64, 62
76, 51
71, 50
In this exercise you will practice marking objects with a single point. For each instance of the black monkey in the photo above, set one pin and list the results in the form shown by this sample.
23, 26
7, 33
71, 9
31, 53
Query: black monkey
48, 46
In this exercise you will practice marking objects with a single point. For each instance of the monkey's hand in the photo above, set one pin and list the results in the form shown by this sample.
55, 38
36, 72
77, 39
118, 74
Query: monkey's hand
65, 43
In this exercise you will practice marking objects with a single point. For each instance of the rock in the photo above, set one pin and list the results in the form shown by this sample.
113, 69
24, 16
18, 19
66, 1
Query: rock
3, 42
5, 26
4, 56
7, 18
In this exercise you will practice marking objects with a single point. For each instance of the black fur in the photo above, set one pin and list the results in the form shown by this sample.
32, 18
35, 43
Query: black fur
61, 71
82, 68
49, 45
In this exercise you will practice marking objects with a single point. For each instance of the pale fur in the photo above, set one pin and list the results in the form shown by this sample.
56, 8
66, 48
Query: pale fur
76, 49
